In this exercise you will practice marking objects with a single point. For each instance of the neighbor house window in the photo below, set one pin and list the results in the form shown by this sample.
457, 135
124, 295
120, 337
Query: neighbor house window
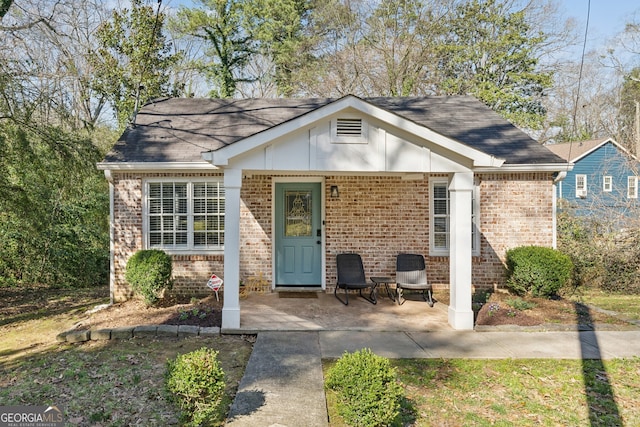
184, 215
440, 219
581, 185
632, 187
607, 183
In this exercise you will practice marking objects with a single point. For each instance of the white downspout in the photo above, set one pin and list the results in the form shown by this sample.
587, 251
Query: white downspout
557, 181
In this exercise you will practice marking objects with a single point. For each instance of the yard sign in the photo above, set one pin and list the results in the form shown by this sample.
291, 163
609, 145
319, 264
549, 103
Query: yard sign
214, 283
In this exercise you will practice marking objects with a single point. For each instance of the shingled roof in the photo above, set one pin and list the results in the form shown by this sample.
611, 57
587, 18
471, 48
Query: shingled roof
181, 129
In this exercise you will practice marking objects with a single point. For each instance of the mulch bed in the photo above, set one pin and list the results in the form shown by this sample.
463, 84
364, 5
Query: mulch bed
499, 310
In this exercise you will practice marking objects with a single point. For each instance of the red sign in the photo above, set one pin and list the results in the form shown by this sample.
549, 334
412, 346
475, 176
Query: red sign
214, 283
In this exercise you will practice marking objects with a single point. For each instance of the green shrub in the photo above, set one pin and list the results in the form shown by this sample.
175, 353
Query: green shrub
367, 389
149, 273
195, 382
537, 270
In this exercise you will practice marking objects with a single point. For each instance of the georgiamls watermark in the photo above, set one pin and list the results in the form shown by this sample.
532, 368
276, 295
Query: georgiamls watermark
31, 416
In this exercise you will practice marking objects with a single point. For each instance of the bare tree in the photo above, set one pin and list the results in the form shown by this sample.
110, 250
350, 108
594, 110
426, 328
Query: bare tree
43, 54
573, 116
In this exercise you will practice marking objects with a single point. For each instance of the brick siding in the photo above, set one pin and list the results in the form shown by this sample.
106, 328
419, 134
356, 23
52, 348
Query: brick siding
515, 210
377, 217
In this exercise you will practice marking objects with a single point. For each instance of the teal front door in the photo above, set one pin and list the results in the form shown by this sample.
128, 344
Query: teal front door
298, 239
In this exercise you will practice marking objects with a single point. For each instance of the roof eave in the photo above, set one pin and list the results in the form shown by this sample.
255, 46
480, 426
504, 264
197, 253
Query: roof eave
156, 166
530, 167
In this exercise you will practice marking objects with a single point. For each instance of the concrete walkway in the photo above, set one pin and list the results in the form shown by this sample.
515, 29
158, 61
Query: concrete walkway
283, 382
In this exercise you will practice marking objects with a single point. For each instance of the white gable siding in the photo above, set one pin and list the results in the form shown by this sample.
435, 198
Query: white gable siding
291, 152
340, 156
402, 156
384, 150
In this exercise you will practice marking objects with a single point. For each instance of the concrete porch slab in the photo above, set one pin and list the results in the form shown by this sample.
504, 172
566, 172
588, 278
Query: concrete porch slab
269, 312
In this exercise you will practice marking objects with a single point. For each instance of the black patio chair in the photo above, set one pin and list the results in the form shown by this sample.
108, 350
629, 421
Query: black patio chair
411, 274
351, 277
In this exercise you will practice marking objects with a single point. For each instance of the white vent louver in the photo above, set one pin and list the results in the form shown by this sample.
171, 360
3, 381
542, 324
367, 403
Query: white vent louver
349, 127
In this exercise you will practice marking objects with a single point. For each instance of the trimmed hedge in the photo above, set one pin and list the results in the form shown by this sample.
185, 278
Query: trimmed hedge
538, 271
196, 383
368, 391
149, 273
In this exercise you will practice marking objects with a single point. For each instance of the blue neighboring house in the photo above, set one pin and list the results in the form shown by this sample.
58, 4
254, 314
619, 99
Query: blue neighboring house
604, 180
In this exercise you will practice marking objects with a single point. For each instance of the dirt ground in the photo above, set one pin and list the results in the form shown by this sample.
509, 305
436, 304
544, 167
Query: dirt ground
208, 312
499, 310
171, 310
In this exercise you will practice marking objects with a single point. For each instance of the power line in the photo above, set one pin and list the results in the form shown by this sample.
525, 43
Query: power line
584, 47
575, 108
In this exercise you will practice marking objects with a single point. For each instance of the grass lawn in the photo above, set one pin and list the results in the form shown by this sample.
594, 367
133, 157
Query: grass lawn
121, 382
114, 383
626, 305
106, 383
531, 392
465, 392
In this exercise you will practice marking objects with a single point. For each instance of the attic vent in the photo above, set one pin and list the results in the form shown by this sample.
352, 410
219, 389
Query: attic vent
349, 130
349, 127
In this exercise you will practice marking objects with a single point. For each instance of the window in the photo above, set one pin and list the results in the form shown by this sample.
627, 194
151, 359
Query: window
607, 183
440, 219
348, 130
440, 216
581, 186
632, 187
184, 215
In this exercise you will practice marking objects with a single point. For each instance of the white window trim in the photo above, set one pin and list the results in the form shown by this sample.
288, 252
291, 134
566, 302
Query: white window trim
607, 183
632, 187
190, 249
581, 190
363, 138
475, 220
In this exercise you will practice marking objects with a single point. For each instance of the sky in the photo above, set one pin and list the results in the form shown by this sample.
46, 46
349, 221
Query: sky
606, 18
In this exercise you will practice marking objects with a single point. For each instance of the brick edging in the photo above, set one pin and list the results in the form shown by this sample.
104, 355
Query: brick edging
127, 332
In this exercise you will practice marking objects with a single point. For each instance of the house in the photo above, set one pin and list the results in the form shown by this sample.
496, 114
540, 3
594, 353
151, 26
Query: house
279, 187
604, 181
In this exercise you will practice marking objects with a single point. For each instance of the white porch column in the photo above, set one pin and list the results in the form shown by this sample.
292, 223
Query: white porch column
231, 306
460, 194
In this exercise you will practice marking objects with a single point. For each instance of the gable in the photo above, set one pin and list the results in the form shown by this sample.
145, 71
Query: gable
606, 160
381, 141
575, 151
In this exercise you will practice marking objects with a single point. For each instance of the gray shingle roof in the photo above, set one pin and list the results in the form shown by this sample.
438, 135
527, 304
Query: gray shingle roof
181, 129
